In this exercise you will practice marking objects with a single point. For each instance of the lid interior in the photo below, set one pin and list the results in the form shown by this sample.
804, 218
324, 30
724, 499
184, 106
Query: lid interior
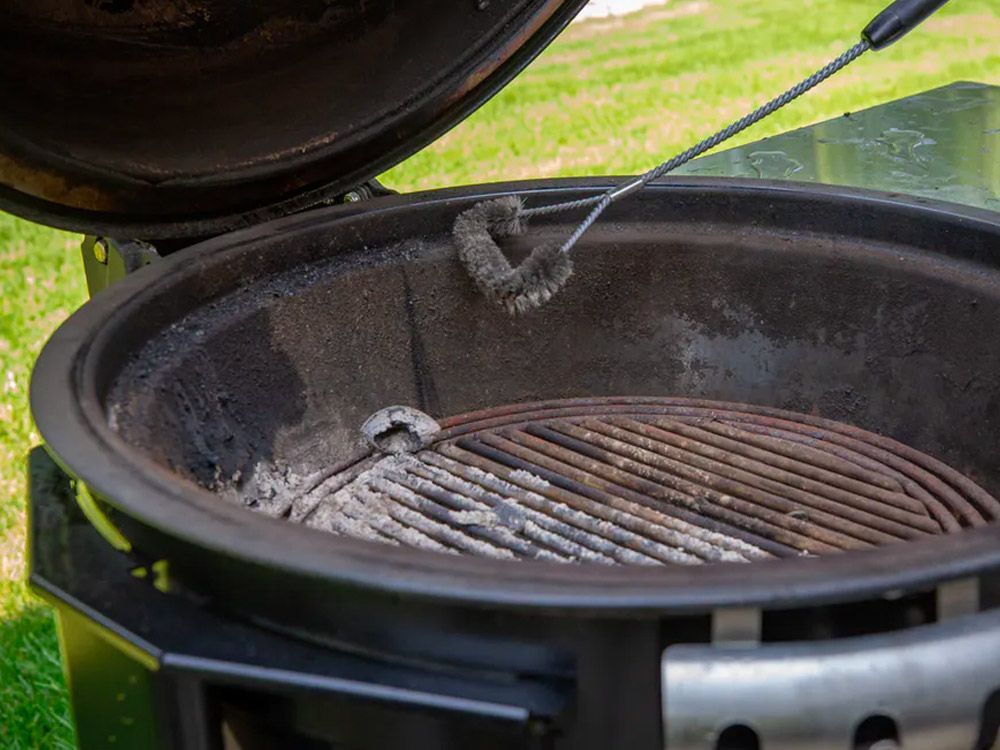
192, 112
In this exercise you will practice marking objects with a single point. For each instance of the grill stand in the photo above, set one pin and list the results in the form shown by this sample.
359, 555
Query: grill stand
150, 671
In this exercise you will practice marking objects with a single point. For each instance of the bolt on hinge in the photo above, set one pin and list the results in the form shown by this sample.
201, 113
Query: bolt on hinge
101, 250
365, 191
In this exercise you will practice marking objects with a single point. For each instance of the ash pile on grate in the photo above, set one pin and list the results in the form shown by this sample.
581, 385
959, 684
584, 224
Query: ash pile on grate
421, 501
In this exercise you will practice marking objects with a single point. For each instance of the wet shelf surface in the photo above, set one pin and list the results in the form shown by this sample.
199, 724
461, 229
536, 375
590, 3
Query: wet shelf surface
942, 144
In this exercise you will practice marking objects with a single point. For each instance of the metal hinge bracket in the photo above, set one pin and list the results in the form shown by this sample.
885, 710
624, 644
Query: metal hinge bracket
107, 260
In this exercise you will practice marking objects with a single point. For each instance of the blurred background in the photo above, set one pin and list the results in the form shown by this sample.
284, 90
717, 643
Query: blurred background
627, 85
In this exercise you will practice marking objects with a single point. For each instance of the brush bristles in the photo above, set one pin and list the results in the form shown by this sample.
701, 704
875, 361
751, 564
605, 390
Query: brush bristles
521, 289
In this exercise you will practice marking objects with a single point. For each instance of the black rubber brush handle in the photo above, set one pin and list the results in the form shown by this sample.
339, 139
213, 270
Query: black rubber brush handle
900, 18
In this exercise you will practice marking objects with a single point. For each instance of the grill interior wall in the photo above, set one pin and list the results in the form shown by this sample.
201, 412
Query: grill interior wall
270, 382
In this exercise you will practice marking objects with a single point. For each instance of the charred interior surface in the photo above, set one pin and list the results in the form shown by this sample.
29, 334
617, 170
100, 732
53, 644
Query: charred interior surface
645, 482
185, 110
254, 380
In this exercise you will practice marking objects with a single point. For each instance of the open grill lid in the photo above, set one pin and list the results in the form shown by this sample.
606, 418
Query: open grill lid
174, 119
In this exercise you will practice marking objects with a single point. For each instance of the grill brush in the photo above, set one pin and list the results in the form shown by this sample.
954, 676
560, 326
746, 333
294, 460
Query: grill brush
544, 272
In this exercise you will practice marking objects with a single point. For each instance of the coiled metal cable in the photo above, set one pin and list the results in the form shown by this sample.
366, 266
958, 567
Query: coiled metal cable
601, 202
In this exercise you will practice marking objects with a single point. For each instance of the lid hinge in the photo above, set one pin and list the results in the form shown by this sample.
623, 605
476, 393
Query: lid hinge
107, 260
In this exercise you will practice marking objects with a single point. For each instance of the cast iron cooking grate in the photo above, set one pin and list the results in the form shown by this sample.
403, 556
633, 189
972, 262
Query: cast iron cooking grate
648, 481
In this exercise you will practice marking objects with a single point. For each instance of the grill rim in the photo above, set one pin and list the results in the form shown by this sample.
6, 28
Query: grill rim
166, 515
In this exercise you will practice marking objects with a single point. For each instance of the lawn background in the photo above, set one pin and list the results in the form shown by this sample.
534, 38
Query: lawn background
610, 96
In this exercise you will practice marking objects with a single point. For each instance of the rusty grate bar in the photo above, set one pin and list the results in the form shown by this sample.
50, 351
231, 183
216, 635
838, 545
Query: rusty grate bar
768, 483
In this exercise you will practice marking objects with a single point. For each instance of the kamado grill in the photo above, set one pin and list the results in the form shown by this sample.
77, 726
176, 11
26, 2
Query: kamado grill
734, 487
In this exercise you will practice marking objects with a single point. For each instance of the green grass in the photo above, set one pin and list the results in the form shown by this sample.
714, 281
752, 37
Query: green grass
609, 97
40, 284
617, 96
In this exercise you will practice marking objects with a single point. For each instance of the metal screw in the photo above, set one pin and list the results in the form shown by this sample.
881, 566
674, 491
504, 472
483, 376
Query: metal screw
101, 251
352, 197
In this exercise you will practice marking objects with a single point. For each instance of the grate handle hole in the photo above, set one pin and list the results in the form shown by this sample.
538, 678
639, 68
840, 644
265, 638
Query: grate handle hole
877, 732
738, 737
989, 730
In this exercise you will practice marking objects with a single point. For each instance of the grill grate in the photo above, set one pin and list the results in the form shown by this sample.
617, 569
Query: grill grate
647, 482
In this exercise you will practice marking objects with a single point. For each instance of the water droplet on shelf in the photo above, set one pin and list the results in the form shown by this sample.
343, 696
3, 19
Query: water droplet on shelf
903, 143
774, 164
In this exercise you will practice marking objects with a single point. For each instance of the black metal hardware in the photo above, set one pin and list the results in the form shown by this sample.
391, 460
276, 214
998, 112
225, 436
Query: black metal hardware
365, 191
898, 20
